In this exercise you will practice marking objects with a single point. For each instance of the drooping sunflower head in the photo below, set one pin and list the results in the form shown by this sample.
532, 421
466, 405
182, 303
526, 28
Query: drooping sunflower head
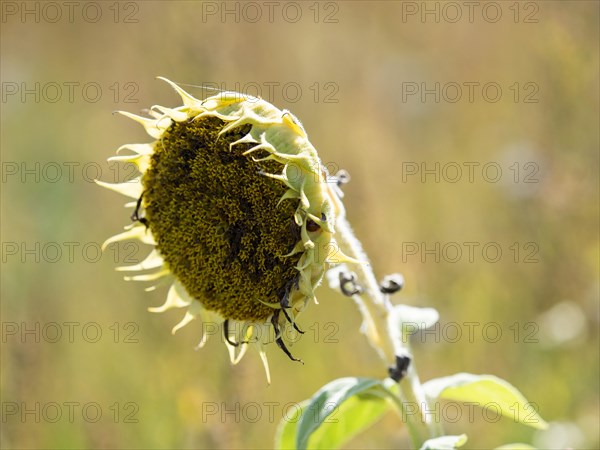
240, 212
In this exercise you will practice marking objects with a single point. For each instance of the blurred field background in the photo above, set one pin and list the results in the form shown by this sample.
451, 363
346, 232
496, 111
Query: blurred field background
547, 310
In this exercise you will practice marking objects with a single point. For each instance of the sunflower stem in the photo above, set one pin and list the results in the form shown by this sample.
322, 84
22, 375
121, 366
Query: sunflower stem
375, 308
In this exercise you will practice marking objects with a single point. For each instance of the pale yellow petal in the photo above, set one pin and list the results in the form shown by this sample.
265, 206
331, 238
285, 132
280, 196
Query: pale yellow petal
177, 116
192, 313
174, 300
154, 127
139, 232
152, 261
132, 188
187, 99
247, 139
236, 353
140, 149
142, 162
265, 362
186, 319
148, 276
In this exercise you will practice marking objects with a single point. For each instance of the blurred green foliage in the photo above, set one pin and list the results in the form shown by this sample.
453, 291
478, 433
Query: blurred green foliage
370, 131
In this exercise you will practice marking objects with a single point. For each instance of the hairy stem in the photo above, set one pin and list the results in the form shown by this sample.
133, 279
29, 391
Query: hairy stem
375, 308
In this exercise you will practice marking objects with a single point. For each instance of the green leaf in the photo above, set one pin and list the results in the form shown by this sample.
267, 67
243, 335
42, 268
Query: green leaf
444, 442
518, 446
355, 415
489, 392
352, 416
285, 436
324, 408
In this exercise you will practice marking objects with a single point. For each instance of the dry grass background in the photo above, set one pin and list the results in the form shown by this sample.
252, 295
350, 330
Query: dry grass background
368, 54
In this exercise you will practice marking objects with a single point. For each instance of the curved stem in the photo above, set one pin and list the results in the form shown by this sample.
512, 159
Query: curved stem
375, 308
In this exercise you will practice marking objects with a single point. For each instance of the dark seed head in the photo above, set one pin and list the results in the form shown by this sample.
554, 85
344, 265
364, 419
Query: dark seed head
217, 221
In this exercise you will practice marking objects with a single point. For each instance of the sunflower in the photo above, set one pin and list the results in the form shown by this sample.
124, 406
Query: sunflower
240, 211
